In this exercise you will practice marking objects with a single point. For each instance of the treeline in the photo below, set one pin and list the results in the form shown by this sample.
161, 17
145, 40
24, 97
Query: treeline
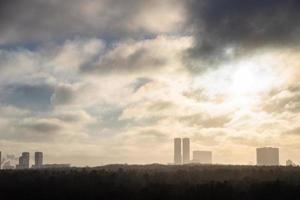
152, 182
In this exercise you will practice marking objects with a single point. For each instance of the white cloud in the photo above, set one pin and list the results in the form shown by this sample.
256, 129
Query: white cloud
145, 56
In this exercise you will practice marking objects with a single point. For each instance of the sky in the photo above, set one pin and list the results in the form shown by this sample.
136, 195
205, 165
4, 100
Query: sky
93, 82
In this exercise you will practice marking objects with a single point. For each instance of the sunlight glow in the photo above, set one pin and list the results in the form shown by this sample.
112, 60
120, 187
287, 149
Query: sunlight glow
242, 84
250, 80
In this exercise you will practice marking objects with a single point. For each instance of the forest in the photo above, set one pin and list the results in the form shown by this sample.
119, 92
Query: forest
152, 182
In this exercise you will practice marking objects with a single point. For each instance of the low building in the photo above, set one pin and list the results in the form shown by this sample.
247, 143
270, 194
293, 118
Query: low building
202, 157
267, 156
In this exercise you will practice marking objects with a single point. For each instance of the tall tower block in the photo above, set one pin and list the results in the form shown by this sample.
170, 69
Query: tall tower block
25, 156
186, 150
38, 158
177, 151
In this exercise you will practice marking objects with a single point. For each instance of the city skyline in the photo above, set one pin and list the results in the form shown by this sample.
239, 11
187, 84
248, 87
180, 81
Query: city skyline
265, 156
93, 82
25, 162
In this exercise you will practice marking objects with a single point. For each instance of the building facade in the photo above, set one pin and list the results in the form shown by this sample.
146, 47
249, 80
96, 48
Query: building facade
23, 161
202, 157
177, 151
186, 150
267, 156
38, 159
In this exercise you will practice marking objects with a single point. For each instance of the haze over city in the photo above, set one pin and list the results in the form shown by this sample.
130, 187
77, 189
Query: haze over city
94, 82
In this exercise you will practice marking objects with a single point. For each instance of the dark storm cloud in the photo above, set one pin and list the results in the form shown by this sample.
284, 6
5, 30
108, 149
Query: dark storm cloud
32, 130
36, 20
226, 29
36, 130
42, 127
41, 19
32, 97
63, 94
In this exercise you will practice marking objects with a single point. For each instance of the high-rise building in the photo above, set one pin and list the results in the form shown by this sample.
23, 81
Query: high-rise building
38, 158
177, 151
267, 156
25, 155
186, 150
202, 157
23, 161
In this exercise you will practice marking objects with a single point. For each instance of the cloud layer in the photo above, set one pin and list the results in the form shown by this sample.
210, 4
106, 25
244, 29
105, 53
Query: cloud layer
38, 20
226, 29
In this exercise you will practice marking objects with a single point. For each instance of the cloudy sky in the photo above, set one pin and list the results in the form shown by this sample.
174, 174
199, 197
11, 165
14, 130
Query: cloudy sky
92, 82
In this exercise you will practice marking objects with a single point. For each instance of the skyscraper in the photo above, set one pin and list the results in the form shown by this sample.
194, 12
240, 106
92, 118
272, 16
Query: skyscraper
23, 161
203, 157
25, 156
177, 151
185, 150
38, 158
267, 156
